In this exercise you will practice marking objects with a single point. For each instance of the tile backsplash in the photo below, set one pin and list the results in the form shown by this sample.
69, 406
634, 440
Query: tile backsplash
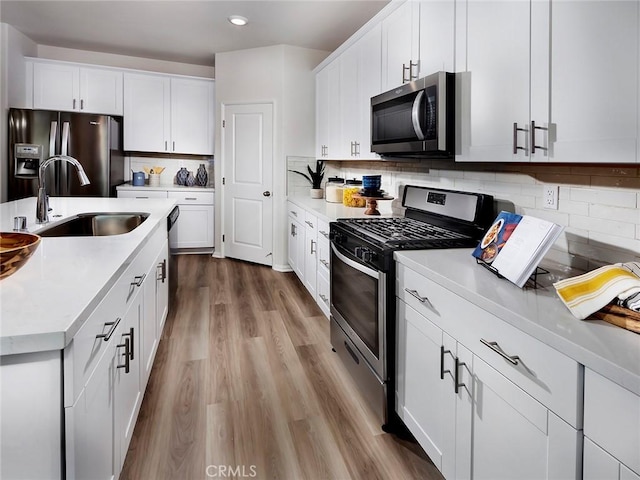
599, 206
171, 165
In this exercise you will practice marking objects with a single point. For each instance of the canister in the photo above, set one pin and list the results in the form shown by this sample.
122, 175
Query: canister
334, 189
352, 187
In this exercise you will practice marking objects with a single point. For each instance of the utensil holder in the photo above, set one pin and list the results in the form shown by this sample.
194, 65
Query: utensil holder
154, 179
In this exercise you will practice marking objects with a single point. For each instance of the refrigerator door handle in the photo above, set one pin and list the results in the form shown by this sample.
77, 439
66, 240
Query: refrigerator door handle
53, 133
65, 138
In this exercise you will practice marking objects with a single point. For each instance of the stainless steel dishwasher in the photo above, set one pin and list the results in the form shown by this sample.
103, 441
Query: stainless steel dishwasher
172, 218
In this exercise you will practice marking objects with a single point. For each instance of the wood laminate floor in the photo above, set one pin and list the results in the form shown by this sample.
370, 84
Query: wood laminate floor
245, 385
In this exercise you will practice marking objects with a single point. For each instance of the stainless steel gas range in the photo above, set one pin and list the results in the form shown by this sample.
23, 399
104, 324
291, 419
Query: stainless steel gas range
363, 307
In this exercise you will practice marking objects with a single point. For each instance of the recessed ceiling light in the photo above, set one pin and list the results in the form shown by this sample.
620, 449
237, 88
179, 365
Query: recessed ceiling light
238, 20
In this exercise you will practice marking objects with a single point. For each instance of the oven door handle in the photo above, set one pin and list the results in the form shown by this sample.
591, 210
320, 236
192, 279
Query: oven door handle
415, 115
358, 266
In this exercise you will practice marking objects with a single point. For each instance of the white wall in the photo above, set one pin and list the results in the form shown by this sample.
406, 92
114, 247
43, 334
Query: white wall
281, 75
14, 46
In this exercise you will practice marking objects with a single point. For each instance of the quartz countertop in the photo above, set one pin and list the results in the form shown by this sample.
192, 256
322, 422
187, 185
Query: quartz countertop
45, 303
128, 186
329, 212
604, 348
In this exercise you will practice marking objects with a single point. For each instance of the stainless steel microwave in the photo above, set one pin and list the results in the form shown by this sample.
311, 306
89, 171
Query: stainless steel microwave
416, 119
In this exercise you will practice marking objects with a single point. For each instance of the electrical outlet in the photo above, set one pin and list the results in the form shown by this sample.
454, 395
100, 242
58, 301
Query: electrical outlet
550, 196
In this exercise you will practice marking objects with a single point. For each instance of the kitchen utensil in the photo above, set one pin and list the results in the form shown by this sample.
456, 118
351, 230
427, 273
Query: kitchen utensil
15, 249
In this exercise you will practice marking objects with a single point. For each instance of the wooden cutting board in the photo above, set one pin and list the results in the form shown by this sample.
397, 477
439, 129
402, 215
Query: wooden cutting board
620, 316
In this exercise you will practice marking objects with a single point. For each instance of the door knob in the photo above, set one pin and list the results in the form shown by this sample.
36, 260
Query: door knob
266, 194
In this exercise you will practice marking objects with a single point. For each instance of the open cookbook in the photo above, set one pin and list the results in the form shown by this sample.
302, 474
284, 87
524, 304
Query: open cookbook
515, 244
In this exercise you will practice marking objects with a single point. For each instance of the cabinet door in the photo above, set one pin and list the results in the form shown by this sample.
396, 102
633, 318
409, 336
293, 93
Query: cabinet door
192, 106
56, 86
101, 91
334, 146
400, 44
148, 325
369, 85
194, 228
147, 110
349, 102
322, 112
593, 81
296, 247
423, 398
437, 36
127, 386
89, 425
546, 446
493, 52
310, 255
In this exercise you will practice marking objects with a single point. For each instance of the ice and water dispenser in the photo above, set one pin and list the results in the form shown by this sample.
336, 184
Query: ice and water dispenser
27, 157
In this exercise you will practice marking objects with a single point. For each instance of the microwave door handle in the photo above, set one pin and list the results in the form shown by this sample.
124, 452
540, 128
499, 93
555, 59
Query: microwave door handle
415, 115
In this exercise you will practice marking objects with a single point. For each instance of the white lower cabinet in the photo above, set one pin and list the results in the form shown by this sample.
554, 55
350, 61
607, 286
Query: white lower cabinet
611, 430
473, 410
107, 364
308, 253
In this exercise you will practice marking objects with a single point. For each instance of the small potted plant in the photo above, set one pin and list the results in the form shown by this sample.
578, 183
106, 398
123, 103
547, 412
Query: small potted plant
315, 178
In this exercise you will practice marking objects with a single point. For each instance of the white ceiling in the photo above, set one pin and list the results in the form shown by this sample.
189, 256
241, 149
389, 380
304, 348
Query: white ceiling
185, 30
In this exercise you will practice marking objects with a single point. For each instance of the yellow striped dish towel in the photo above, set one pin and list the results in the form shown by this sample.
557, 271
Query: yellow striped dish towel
589, 292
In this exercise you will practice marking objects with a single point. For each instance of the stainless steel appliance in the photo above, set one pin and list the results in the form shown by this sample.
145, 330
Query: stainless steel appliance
94, 140
363, 280
416, 119
172, 218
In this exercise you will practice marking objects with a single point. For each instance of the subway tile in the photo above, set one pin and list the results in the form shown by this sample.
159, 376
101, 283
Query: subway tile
622, 182
612, 196
630, 245
621, 229
631, 215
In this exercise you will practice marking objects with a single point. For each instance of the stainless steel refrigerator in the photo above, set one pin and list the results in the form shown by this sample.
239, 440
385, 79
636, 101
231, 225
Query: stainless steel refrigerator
94, 140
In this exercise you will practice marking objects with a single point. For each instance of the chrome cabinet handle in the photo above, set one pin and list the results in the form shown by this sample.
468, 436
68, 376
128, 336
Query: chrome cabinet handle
496, 348
190, 198
127, 355
309, 223
165, 145
533, 137
113, 325
138, 279
324, 262
312, 250
74, 104
414, 293
81, 104
404, 69
293, 230
174, 145
324, 234
357, 149
410, 69
324, 299
293, 212
515, 138
456, 378
442, 354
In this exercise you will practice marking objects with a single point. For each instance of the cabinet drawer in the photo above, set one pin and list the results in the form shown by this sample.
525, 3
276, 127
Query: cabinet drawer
544, 373
323, 299
296, 212
310, 221
192, 198
323, 231
612, 418
142, 194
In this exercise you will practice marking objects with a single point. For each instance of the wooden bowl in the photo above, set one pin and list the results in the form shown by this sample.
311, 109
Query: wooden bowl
15, 249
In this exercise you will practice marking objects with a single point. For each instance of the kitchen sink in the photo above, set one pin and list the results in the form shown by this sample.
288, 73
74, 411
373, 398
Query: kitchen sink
95, 225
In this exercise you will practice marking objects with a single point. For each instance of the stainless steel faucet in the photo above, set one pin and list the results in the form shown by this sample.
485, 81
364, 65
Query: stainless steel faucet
42, 204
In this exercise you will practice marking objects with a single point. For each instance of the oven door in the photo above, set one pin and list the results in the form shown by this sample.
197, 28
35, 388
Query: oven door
358, 305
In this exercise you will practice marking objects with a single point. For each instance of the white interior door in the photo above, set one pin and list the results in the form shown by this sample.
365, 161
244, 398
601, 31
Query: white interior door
248, 178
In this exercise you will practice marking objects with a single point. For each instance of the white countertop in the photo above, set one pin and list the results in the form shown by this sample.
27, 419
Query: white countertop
162, 188
329, 212
44, 303
607, 349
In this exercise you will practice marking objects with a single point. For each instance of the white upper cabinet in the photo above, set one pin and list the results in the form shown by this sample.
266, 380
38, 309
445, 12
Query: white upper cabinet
359, 81
69, 87
548, 81
591, 74
168, 114
437, 36
328, 122
322, 113
400, 46
493, 53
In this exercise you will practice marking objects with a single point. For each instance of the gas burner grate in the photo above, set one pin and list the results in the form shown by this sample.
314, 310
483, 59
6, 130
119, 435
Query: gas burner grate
400, 229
